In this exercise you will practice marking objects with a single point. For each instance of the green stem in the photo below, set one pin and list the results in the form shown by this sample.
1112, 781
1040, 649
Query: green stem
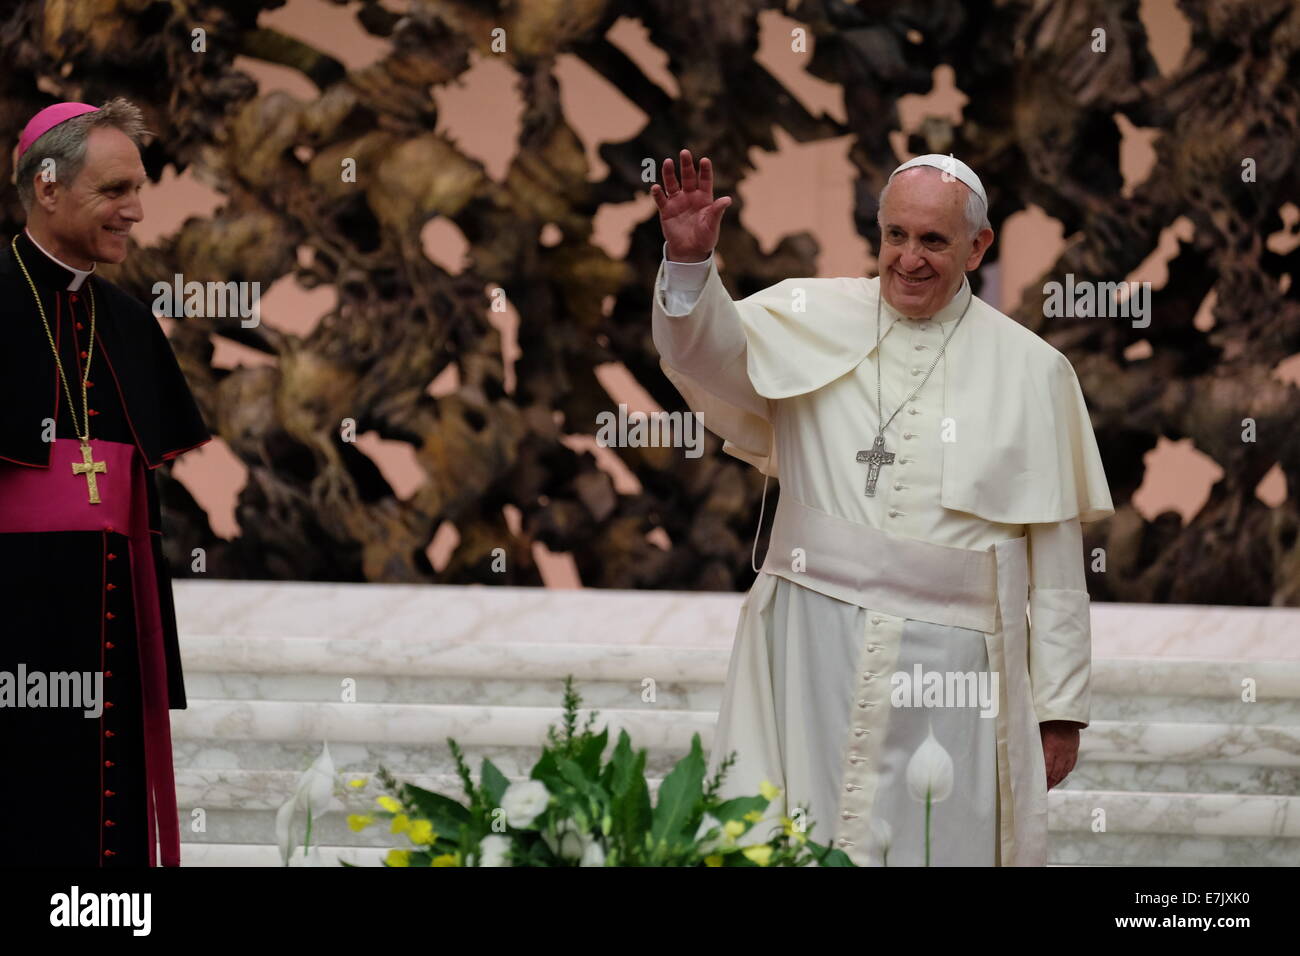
927, 827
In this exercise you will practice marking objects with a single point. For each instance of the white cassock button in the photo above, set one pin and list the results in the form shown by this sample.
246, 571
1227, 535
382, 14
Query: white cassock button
850, 787
875, 620
844, 842
908, 435
918, 347
916, 371
898, 486
860, 731
893, 513
849, 816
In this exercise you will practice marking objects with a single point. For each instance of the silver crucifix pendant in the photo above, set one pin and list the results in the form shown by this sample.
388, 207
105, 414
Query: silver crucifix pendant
874, 458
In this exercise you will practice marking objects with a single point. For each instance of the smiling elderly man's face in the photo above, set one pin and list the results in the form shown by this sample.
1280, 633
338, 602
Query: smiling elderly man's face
91, 217
926, 244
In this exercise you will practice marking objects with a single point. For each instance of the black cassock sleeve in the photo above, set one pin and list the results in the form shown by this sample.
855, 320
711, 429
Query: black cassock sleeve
180, 428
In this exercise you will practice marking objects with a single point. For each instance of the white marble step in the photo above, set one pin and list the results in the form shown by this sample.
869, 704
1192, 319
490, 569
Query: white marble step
264, 854
1194, 760
486, 614
657, 729
677, 677
1209, 828
1270, 815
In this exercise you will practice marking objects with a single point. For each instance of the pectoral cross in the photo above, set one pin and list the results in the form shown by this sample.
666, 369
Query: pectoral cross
874, 458
89, 469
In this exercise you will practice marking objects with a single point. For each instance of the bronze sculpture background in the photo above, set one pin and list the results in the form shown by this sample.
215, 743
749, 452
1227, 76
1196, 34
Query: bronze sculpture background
1039, 128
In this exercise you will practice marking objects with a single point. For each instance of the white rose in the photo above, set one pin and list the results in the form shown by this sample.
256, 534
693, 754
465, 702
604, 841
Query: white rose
594, 855
569, 843
524, 801
494, 850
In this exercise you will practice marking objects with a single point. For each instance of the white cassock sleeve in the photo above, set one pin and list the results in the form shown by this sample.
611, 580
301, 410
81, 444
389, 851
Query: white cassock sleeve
703, 350
1060, 631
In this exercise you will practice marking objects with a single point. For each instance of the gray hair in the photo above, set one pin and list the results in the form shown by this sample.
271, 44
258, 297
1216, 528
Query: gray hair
66, 144
977, 214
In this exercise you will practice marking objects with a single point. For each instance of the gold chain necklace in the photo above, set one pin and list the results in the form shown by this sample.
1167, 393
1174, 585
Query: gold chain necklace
87, 466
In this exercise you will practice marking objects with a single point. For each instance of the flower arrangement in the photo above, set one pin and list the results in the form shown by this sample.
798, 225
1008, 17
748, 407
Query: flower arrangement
577, 809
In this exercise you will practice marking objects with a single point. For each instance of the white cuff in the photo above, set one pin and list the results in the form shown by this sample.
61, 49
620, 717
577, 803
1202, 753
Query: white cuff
687, 278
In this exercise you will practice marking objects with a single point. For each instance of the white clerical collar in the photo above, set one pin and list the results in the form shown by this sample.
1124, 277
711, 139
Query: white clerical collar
945, 317
78, 275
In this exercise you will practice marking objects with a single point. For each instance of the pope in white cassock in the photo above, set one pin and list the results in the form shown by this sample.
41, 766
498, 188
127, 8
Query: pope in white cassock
936, 459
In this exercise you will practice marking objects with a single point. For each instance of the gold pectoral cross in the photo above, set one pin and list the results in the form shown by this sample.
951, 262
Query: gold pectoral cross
874, 458
89, 469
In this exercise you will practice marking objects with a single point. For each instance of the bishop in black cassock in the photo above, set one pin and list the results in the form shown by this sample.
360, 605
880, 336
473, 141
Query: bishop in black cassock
84, 586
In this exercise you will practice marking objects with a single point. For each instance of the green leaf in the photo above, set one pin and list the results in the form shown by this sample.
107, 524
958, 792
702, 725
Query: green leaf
492, 783
444, 813
547, 771
588, 757
832, 858
736, 808
679, 796
630, 799
572, 773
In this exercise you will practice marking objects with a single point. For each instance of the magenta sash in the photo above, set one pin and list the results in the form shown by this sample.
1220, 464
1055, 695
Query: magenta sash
53, 499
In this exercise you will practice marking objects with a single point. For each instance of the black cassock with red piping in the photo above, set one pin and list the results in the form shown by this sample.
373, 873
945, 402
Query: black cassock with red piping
80, 595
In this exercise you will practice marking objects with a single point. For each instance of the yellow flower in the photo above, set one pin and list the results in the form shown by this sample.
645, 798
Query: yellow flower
447, 859
753, 816
398, 858
733, 828
389, 804
358, 783
421, 832
359, 822
401, 823
758, 854
768, 791
714, 860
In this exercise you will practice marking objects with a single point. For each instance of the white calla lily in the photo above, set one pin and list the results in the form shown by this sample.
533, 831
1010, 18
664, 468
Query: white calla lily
312, 795
929, 772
